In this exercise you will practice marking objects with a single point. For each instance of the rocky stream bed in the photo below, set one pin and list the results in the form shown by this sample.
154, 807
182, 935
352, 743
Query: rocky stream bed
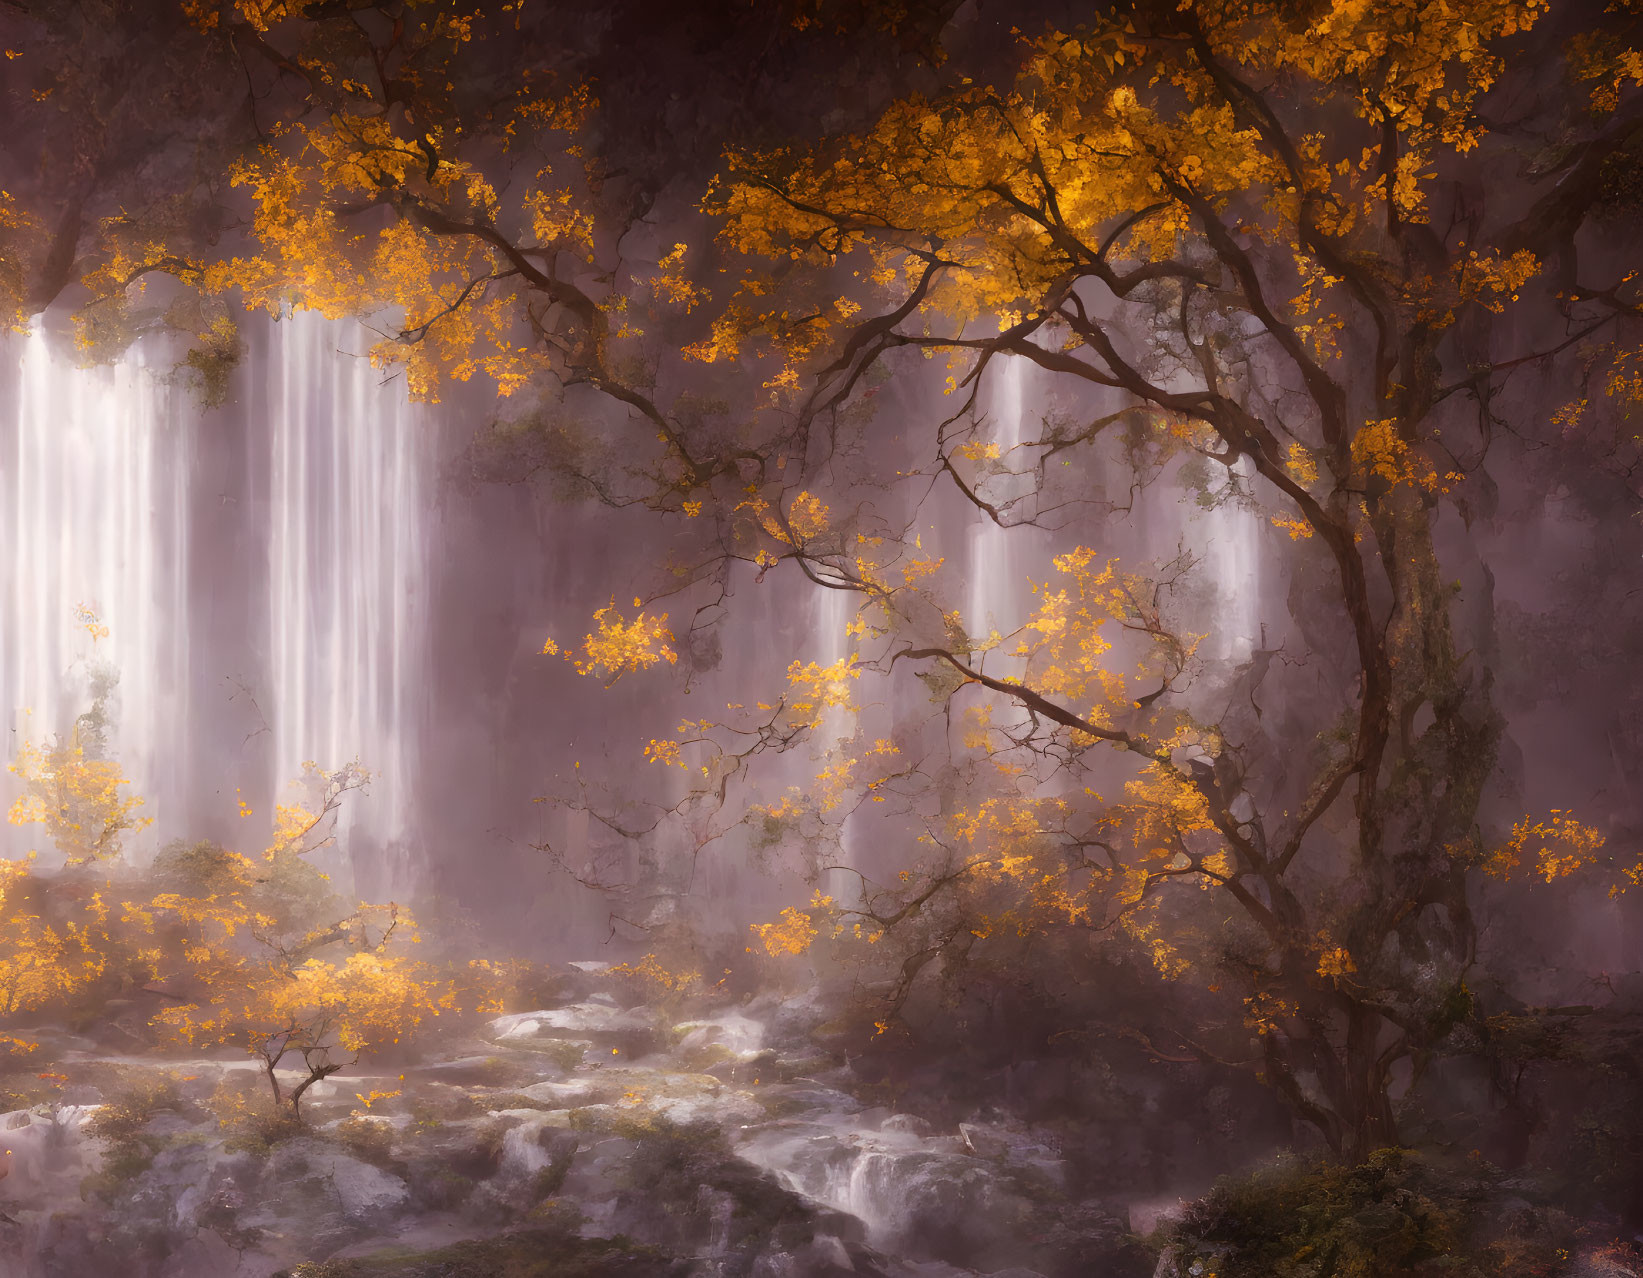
578, 1139
591, 1136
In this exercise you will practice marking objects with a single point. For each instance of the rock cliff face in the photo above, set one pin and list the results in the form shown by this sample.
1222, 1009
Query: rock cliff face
586, 1138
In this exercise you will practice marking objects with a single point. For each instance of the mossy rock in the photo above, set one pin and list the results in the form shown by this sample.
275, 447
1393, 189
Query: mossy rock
123, 1124
709, 1058
1397, 1215
485, 1071
370, 1140
673, 1164
566, 1053
527, 1254
441, 1189
433, 1109
495, 1102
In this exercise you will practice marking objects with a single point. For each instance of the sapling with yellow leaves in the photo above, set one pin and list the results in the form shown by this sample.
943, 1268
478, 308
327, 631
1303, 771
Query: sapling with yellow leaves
84, 801
55, 945
258, 953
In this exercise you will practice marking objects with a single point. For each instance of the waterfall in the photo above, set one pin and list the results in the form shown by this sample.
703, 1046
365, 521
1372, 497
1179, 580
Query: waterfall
994, 590
255, 577
1231, 557
348, 464
1228, 537
94, 467
833, 611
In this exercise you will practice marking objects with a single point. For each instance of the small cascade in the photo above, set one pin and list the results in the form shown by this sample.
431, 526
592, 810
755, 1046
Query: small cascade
833, 1157
913, 1189
523, 1153
871, 1190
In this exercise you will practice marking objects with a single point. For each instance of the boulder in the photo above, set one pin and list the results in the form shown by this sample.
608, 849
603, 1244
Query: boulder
579, 1091
631, 1032
731, 1030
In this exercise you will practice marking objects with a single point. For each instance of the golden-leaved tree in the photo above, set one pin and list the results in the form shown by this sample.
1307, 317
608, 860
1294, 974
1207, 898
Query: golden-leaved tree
1254, 238
259, 953
54, 947
1252, 241
73, 785
254, 952
85, 803
1257, 234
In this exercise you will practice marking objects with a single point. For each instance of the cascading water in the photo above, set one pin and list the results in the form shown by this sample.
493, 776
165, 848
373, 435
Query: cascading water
1231, 565
348, 476
993, 594
1228, 537
256, 582
833, 610
828, 627
93, 475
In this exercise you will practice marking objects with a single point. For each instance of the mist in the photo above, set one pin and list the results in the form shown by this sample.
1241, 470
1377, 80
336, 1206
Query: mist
829, 639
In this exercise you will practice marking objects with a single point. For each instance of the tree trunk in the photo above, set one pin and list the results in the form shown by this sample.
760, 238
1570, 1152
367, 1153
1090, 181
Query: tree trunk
1373, 1127
315, 1074
1367, 1120
1348, 1102
274, 1083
